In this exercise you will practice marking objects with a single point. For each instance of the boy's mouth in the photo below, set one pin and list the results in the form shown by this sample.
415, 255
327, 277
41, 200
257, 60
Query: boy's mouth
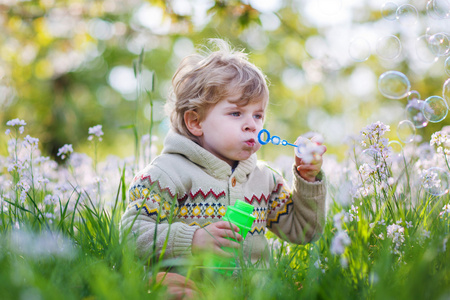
250, 142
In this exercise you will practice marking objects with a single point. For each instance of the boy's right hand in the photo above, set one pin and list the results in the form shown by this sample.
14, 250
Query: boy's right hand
213, 237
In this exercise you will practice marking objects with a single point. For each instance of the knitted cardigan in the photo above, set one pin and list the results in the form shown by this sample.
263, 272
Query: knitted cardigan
197, 187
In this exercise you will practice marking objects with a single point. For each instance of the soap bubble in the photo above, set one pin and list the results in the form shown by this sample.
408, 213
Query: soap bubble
438, 9
423, 50
396, 151
394, 85
359, 49
406, 131
439, 44
435, 181
446, 90
389, 11
370, 157
414, 113
447, 66
413, 95
407, 14
389, 47
430, 10
435, 109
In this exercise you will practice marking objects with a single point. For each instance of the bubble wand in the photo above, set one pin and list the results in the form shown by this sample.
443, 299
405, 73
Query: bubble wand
306, 149
276, 140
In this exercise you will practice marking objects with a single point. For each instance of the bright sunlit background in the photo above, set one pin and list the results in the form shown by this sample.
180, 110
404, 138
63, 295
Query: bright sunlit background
65, 67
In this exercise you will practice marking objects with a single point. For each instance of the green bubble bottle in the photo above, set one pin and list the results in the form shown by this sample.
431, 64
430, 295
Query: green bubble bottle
241, 215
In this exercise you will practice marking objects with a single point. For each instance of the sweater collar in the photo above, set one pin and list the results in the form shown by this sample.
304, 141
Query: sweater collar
175, 143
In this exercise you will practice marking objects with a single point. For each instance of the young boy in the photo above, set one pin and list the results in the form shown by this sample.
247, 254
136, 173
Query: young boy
208, 162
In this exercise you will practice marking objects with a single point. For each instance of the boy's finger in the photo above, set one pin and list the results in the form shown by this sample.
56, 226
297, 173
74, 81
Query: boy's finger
232, 234
229, 243
227, 225
306, 168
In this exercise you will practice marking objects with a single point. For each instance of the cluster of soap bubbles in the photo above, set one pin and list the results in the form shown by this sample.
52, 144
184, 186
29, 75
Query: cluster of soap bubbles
419, 113
429, 47
418, 34
434, 109
395, 85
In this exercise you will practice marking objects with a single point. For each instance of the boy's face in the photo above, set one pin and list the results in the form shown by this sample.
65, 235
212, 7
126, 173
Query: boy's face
230, 132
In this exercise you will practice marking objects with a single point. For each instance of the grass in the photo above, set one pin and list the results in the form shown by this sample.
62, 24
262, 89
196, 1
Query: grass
387, 241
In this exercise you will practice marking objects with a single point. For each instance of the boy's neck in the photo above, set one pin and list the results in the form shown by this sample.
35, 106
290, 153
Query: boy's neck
234, 166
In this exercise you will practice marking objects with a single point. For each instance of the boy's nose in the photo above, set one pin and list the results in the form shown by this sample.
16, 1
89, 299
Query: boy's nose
250, 125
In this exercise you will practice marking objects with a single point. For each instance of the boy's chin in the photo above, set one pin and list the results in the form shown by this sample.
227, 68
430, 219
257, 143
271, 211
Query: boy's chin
245, 156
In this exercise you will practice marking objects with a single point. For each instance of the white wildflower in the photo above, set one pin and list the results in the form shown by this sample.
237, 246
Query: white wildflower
396, 233
338, 220
16, 122
365, 170
41, 159
51, 199
340, 241
95, 131
320, 265
317, 264
439, 138
373, 135
374, 130
431, 180
65, 151
30, 142
391, 181
445, 210
41, 245
309, 149
277, 246
353, 213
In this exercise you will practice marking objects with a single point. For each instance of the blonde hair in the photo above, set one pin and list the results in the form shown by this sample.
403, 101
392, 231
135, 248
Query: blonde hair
203, 79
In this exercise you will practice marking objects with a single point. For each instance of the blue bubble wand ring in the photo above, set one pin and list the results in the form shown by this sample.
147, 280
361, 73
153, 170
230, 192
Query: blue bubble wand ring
276, 140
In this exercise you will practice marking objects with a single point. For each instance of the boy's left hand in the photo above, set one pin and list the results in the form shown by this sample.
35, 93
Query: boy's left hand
310, 167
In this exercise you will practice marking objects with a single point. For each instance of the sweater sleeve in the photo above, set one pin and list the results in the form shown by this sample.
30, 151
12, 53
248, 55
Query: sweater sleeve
147, 220
297, 216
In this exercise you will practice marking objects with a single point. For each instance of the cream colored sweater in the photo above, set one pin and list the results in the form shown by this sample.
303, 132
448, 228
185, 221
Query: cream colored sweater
201, 186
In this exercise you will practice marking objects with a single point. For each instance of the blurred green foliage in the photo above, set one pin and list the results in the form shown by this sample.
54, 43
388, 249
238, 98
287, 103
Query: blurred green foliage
57, 59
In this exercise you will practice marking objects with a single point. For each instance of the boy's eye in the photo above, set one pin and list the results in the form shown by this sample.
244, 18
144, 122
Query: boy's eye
258, 116
235, 114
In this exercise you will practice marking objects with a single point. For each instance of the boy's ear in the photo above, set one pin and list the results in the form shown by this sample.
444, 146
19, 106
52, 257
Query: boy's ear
193, 124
